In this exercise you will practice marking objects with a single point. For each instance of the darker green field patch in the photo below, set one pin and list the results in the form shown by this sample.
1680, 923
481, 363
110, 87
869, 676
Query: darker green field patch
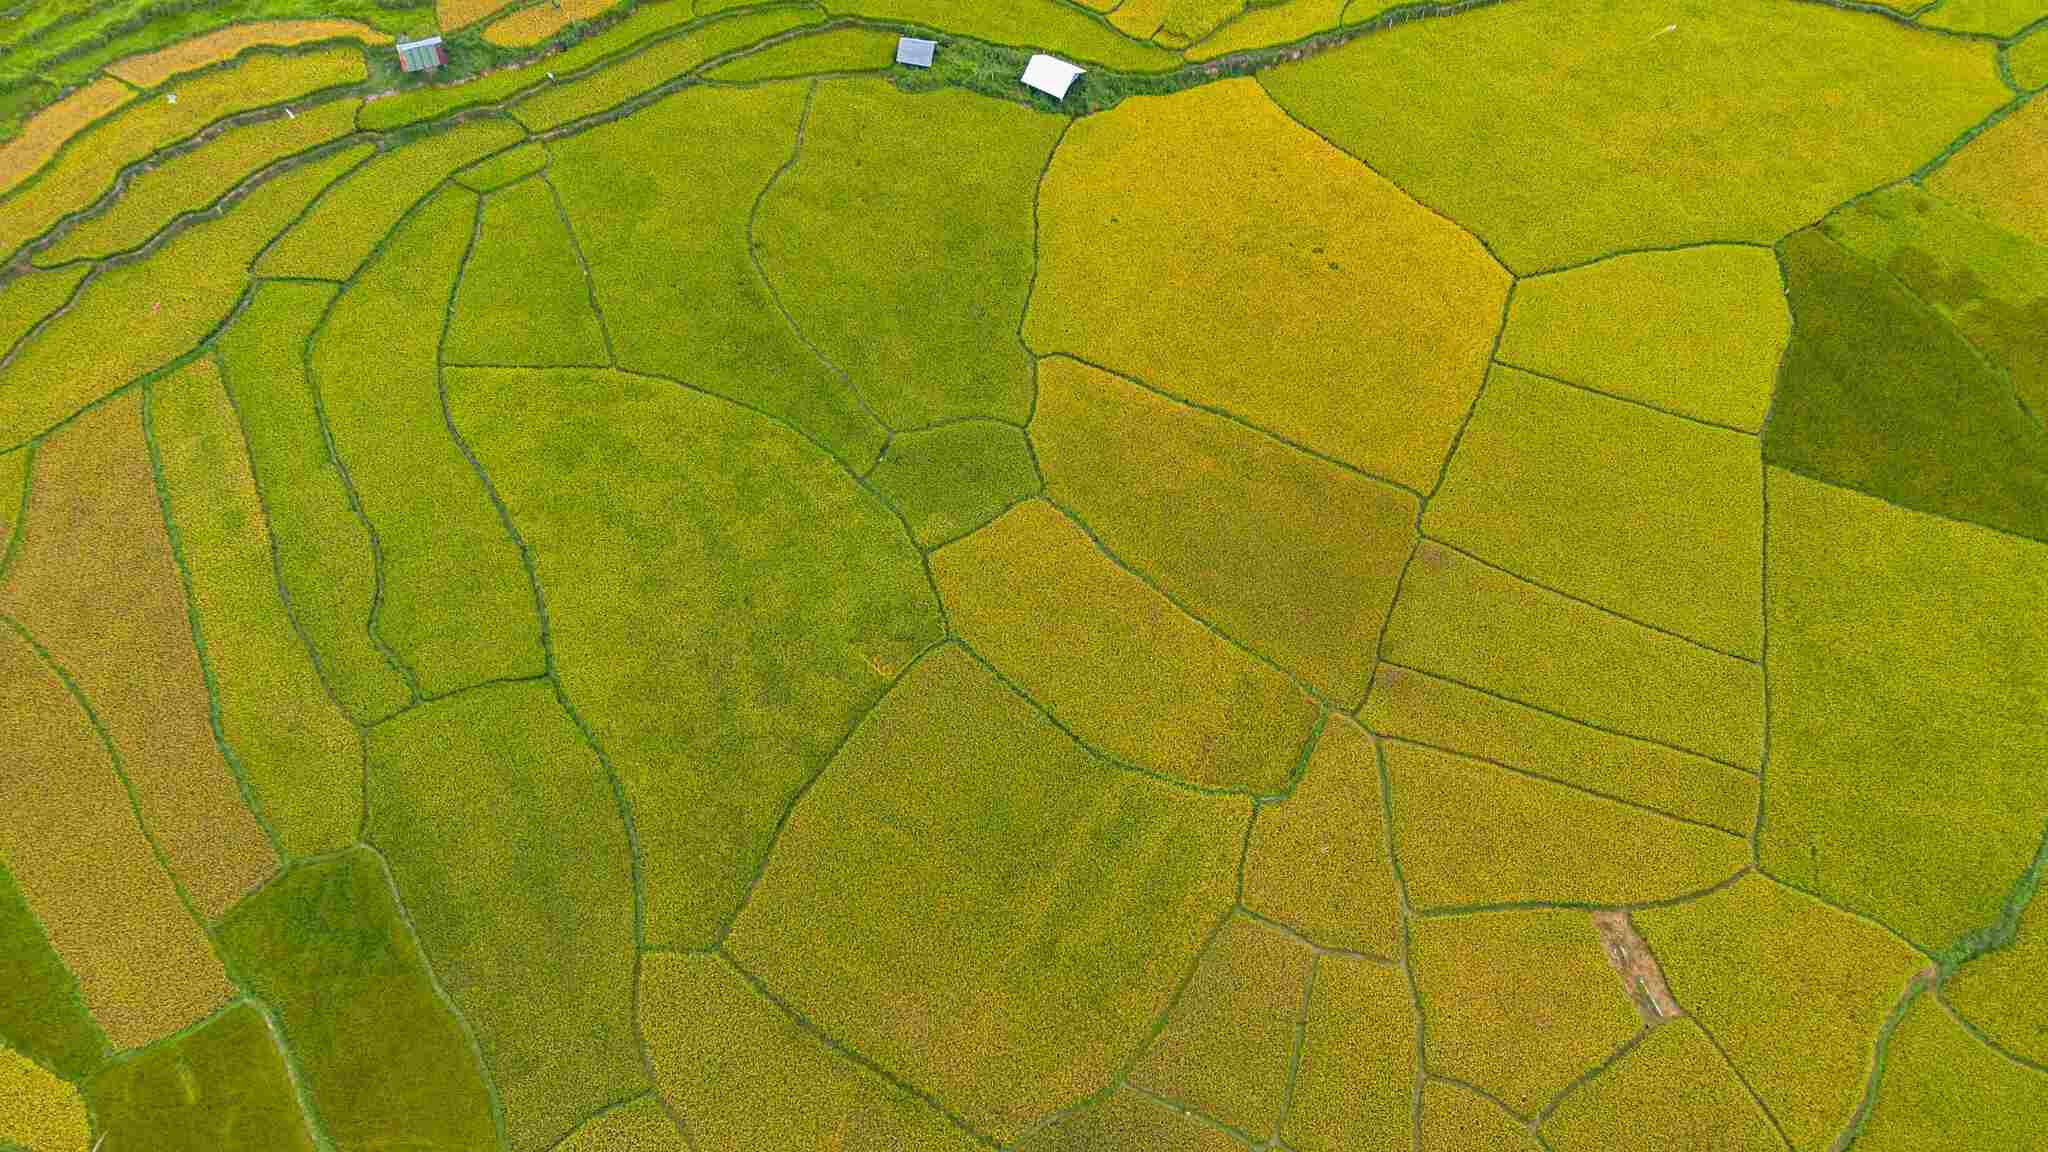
511, 854
950, 480
41, 1013
523, 298
383, 1059
1878, 392
725, 603
219, 1087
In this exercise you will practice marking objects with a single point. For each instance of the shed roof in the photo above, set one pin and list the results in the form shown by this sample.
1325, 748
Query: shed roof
1051, 75
915, 52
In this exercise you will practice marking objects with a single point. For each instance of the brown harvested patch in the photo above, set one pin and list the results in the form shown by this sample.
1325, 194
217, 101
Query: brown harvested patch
70, 838
1636, 966
153, 68
47, 130
96, 584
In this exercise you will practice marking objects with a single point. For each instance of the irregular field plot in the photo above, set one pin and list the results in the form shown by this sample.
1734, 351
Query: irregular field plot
717, 639
98, 585
381, 1054
1519, 1004
1941, 1088
1355, 1084
912, 286
1646, 515
1957, 675
950, 480
1318, 860
1553, 135
1793, 991
708, 1030
1251, 198
1459, 619
223, 1084
1629, 1104
1039, 601
1045, 879
1295, 557
88, 870
1696, 331
295, 749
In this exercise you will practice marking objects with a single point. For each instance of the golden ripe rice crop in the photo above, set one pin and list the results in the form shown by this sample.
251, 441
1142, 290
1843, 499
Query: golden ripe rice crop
153, 68
53, 127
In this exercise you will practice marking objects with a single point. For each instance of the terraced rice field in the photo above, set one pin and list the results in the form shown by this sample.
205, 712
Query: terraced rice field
1435, 578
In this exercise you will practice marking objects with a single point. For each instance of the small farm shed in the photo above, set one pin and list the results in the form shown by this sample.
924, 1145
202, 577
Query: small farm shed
1050, 75
421, 55
915, 52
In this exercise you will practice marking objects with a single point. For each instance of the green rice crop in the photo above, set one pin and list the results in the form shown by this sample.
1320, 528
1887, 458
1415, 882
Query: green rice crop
523, 298
1355, 1086
1631, 1103
223, 1084
832, 50
950, 480
42, 1014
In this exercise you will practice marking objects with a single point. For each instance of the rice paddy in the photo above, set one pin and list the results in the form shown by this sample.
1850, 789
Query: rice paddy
1455, 577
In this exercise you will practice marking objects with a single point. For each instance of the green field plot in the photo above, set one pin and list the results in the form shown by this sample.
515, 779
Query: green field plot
91, 879
1318, 860
1228, 1044
1747, 120
2003, 174
743, 1074
1116, 662
2028, 61
1994, 992
1519, 1004
649, 69
674, 277
454, 603
1629, 1103
1958, 675
1459, 619
1256, 199
1990, 284
1294, 556
1128, 1120
381, 1056
195, 179
325, 563
89, 163
950, 480
1882, 394
1355, 1085
33, 297
1792, 991
912, 287
1438, 713
507, 842
523, 299
1649, 516
725, 603
98, 585
1990, 17
162, 305
1696, 331
1470, 833
293, 747
1942, 1088
832, 51
1456, 1119
350, 222
221, 1085
1053, 880
508, 167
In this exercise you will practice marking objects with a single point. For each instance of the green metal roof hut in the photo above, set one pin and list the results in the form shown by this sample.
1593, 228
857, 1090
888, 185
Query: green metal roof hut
421, 55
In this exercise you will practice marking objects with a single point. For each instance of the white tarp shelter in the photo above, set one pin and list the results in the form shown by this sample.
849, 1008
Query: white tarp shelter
1051, 75
914, 52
